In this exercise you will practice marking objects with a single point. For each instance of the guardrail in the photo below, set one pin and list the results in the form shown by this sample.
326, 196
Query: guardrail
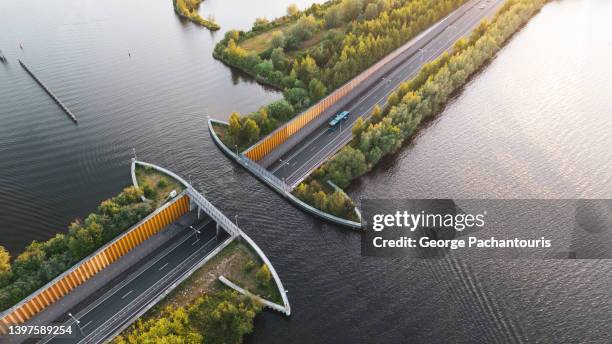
95, 262
243, 291
284, 132
214, 213
225, 223
277, 279
195, 196
276, 184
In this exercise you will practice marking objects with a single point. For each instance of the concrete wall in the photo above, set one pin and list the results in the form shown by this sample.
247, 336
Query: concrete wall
94, 263
276, 184
283, 139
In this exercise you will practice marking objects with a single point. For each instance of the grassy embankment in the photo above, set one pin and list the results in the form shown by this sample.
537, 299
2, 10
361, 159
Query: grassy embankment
156, 185
179, 315
417, 101
189, 9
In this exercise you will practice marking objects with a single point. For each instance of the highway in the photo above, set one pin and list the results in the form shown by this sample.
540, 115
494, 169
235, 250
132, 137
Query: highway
102, 318
320, 145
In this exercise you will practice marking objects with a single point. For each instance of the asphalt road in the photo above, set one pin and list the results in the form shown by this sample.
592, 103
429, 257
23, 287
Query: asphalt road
108, 313
316, 148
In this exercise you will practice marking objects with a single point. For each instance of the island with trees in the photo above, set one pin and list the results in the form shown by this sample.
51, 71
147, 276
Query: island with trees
308, 54
189, 9
416, 101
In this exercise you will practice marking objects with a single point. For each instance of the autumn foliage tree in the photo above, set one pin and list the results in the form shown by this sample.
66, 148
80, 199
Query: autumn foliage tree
416, 100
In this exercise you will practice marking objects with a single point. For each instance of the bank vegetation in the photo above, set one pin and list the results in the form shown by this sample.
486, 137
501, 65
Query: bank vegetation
416, 101
310, 53
189, 9
41, 262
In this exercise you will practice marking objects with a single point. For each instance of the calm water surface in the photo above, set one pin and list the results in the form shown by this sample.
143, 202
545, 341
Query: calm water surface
536, 123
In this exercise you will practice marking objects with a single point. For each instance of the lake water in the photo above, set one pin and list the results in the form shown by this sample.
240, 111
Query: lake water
537, 122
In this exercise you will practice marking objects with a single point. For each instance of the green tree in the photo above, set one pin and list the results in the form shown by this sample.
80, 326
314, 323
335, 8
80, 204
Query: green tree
306, 69
278, 39
260, 24
279, 60
292, 10
128, 196
371, 11
333, 17
265, 68
304, 27
264, 276
316, 89
5, 260
297, 96
346, 165
281, 110
377, 114
250, 131
358, 128
351, 9
235, 127
225, 318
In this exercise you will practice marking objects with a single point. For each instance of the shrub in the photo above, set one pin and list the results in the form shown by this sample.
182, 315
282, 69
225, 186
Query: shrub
41, 262
263, 276
249, 266
162, 183
149, 192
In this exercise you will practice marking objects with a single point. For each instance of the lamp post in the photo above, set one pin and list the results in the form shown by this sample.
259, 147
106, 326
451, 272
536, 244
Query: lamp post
196, 232
77, 321
283, 163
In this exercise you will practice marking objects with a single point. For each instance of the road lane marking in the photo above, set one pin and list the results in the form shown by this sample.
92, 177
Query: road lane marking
408, 65
82, 327
189, 258
195, 242
128, 293
162, 267
380, 85
144, 268
132, 277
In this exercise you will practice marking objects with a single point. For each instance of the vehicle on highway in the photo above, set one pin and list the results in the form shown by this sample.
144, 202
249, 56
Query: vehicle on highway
337, 119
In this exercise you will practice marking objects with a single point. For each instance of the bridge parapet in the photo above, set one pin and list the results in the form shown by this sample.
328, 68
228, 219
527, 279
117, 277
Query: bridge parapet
213, 212
195, 197
306, 122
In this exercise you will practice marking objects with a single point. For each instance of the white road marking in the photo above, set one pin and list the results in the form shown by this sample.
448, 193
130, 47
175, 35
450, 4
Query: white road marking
126, 295
82, 327
437, 52
130, 303
163, 266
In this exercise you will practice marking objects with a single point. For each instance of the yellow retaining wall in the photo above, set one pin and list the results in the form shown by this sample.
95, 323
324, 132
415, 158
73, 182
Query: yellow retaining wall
45, 296
274, 139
